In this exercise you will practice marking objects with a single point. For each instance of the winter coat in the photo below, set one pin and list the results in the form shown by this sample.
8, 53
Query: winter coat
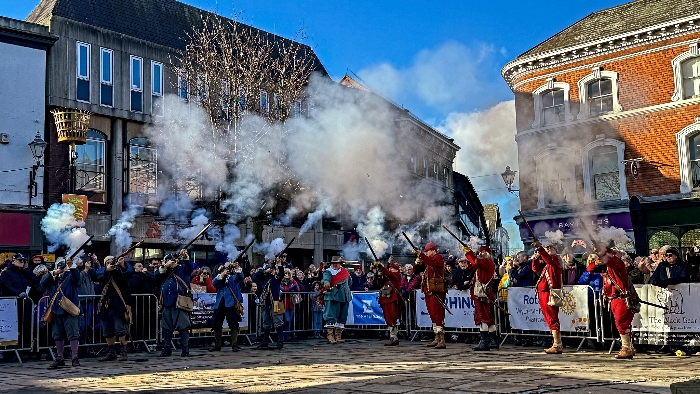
358, 282
462, 279
222, 284
522, 275
14, 281
142, 283
593, 279
670, 274
69, 282
170, 286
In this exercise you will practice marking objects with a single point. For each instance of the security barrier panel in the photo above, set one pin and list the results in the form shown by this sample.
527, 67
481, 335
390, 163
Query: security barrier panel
16, 325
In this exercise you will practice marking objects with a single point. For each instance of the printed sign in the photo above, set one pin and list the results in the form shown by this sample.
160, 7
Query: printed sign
9, 327
526, 313
79, 202
682, 315
459, 302
365, 310
203, 314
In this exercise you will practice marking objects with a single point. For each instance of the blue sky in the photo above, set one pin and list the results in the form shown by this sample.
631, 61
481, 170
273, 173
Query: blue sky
441, 60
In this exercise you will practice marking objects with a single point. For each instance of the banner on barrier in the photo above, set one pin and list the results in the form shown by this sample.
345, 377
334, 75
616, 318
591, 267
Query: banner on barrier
9, 326
459, 302
203, 314
682, 316
365, 310
526, 314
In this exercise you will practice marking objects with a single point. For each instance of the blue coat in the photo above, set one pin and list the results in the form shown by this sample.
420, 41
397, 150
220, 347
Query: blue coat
670, 274
275, 282
14, 281
522, 275
593, 279
70, 282
171, 287
121, 278
232, 281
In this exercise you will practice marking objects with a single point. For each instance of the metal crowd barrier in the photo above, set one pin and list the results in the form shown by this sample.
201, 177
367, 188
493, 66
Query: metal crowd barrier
593, 332
415, 329
26, 309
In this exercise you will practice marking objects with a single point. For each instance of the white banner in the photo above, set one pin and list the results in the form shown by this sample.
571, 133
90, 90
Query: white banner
9, 327
526, 314
681, 300
459, 302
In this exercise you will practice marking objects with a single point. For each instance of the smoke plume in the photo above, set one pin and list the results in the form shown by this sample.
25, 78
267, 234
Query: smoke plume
62, 229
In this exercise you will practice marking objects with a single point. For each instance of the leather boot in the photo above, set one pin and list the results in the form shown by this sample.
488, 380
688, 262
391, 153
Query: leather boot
391, 338
339, 335
111, 354
494, 340
234, 340
435, 340
218, 341
331, 335
123, 353
625, 353
484, 342
441, 340
557, 347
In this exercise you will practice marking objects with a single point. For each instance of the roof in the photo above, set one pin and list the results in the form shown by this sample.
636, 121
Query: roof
163, 22
625, 18
25, 33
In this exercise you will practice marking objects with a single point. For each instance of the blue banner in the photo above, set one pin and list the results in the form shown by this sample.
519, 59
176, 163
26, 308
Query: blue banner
365, 310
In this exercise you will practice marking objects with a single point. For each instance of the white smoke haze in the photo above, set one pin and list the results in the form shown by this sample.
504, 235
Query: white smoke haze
605, 235
372, 228
62, 229
270, 249
313, 217
554, 237
226, 246
475, 243
198, 222
176, 207
120, 231
352, 251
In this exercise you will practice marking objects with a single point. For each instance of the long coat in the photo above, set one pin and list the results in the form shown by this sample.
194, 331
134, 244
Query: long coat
340, 292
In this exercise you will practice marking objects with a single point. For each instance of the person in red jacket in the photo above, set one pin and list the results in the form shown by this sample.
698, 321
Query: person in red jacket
547, 263
433, 276
616, 287
390, 298
481, 292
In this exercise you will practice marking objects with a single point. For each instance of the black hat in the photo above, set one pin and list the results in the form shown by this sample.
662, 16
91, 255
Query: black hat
674, 251
169, 256
18, 256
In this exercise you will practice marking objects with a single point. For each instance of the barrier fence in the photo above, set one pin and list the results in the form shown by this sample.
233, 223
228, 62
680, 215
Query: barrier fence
582, 317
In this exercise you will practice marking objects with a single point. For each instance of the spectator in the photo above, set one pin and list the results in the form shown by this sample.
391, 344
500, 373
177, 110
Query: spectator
594, 279
358, 279
521, 274
303, 283
635, 275
204, 279
671, 271
38, 291
505, 282
253, 288
317, 311
141, 281
572, 268
16, 281
289, 285
370, 284
37, 260
462, 277
247, 285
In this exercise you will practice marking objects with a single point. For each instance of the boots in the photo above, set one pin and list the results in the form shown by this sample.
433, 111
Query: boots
280, 339
435, 340
484, 342
557, 347
111, 353
59, 362
494, 341
185, 341
234, 340
217, 341
393, 337
331, 335
441, 339
339, 335
627, 351
123, 353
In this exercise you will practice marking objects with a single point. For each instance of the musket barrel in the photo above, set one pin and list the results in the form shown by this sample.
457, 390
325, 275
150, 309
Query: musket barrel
130, 249
371, 249
81, 247
197, 236
454, 235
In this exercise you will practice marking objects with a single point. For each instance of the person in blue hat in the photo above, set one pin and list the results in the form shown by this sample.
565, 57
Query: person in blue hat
174, 277
228, 298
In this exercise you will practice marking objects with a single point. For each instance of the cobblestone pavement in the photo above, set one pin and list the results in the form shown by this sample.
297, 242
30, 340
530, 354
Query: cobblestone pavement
360, 366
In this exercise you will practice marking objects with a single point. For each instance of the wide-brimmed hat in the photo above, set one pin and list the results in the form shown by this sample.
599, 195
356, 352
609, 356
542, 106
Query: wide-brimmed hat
336, 260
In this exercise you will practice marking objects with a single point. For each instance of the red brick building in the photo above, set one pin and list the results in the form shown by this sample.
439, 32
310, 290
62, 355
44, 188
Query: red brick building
608, 124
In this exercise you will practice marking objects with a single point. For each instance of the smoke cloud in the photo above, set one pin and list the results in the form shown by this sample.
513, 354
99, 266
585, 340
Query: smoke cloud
120, 231
62, 229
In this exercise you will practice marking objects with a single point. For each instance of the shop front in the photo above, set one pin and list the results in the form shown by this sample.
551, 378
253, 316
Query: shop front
666, 220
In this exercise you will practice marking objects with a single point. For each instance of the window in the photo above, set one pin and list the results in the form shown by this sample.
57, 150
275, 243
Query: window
556, 179
83, 72
688, 141
182, 89
90, 165
446, 175
413, 166
598, 93
264, 104
156, 88
296, 109
691, 78
425, 166
106, 77
604, 171
143, 171
435, 171
553, 106
600, 99
136, 84
695, 161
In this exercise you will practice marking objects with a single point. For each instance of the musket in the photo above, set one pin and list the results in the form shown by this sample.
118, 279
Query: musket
80, 248
130, 249
534, 237
371, 250
197, 236
442, 303
454, 235
652, 304
238, 259
286, 247
494, 303
409, 240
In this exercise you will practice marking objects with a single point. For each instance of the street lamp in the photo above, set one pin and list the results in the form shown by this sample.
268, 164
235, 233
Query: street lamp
509, 178
37, 147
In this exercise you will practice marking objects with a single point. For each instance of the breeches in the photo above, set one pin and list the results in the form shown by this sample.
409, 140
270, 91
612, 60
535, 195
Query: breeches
483, 312
550, 313
435, 310
623, 316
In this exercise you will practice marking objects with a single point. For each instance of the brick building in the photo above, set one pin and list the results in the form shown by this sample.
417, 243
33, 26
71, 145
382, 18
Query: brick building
608, 124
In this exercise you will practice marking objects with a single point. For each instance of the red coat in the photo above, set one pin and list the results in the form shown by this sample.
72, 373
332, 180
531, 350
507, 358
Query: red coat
435, 268
616, 270
395, 279
550, 264
483, 268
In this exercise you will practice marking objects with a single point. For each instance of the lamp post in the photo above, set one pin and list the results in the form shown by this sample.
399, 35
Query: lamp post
508, 178
71, 126
37, 147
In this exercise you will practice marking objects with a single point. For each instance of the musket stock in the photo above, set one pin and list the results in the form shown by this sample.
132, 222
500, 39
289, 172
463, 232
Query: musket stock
80, 248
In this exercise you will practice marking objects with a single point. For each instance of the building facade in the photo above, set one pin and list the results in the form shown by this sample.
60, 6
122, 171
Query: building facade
608, 122
23, 49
